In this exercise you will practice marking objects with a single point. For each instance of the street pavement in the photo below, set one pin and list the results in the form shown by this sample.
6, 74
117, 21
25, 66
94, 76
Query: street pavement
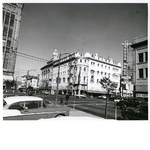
78, 113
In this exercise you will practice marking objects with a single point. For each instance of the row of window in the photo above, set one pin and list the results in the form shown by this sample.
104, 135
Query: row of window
93, 64
143, 73
8, 18
84, 69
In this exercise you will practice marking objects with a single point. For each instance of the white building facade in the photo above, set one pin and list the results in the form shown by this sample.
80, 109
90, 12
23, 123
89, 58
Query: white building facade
80, 73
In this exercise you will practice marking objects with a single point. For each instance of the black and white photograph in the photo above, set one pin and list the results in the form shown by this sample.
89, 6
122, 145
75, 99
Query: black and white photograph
70, 61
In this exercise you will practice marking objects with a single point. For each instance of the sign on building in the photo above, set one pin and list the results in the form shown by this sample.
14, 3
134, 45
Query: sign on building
125, 59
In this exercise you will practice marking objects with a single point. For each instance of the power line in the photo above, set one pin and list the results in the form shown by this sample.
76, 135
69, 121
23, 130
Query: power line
31, 57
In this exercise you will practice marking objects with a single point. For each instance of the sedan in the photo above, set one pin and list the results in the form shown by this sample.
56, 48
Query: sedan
139, 113
31, 108
80, 96
130, 102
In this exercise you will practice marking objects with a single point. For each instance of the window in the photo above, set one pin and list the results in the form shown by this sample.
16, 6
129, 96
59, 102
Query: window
141, 57
97, 81
80, 60
146, 58
108, 75
63, 79
98, 65
84, 79
17, 106
140, 73
8, 43
12, 20
84, 69
3, 15
109, 67
97, 72
5, 31
92, 79
5, 64
34, 104
10, 33
7, 18
102, 65
92, 72
146, 72
7, 50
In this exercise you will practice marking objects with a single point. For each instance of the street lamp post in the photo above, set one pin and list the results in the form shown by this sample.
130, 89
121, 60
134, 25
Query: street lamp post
58, 78
16, 83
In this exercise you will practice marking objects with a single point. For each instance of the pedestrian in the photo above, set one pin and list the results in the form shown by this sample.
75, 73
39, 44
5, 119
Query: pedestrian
61, 99
67, 98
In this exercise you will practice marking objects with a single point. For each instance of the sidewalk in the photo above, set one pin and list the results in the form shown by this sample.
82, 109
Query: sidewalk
78, 113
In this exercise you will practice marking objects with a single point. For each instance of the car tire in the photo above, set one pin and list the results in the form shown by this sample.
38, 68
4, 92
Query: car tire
59, 115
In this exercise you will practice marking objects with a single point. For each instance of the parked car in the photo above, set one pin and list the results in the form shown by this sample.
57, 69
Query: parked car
130, 102
80, 96
10, 94
102, 97
139, 113
21, 88
46, 92
31, 108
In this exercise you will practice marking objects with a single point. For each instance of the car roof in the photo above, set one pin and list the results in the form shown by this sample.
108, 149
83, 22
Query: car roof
10, 100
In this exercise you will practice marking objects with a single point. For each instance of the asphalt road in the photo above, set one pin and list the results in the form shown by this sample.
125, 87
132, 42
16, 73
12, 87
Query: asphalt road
93, 106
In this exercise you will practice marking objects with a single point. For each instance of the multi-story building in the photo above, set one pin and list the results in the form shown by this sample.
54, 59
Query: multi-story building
140, 70
80, 72
11, 26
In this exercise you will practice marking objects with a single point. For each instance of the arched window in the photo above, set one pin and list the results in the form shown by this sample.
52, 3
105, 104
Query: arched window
92, 79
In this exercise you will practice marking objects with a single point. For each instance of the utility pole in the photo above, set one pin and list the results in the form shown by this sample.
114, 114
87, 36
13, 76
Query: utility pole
79, 80
58, 80
16, 83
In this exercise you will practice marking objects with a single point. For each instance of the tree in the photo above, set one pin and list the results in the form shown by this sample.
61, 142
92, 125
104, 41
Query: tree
109, 86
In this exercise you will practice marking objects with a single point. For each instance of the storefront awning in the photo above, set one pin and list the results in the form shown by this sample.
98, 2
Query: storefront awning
7, 77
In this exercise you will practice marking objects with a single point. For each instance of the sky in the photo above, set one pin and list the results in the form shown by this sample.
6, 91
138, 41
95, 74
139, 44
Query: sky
88, 27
